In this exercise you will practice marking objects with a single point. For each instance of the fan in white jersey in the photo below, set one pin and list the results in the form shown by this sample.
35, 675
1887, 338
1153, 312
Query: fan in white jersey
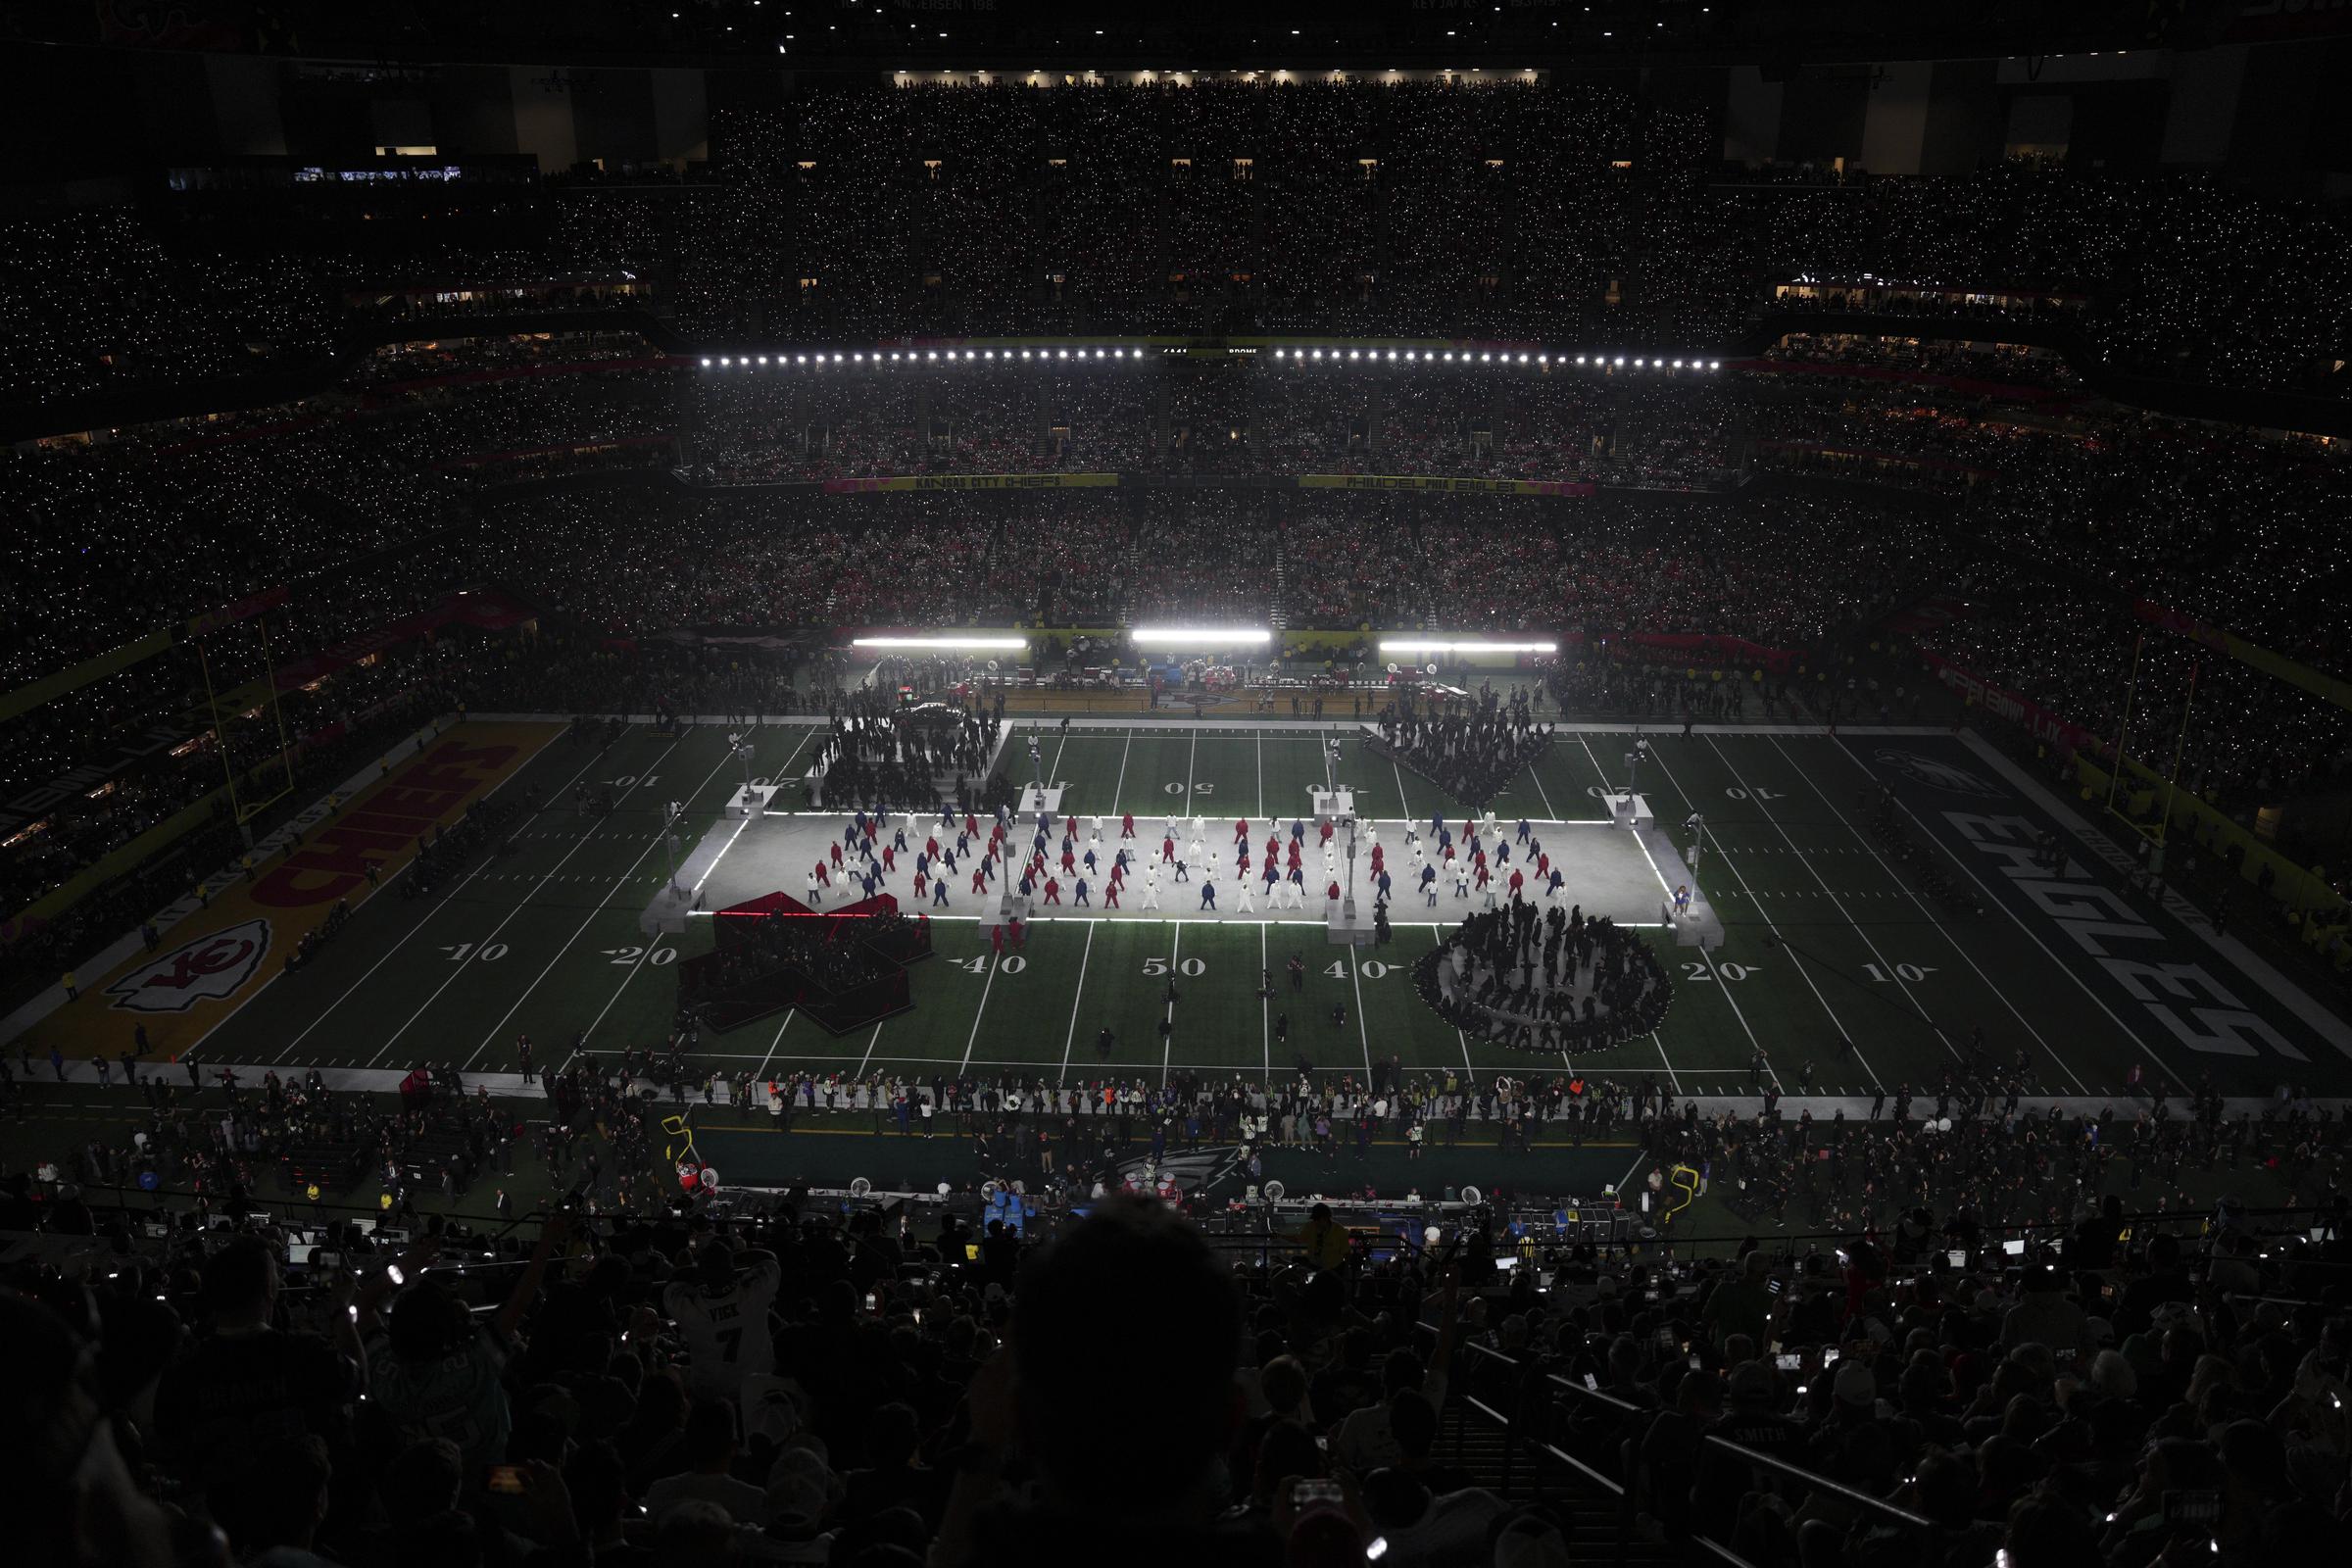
722, 1316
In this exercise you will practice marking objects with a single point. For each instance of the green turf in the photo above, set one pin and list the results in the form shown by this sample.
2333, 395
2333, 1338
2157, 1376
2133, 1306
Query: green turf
1825, 939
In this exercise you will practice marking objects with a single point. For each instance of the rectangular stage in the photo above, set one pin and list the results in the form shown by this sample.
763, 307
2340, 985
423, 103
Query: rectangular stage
1605, 868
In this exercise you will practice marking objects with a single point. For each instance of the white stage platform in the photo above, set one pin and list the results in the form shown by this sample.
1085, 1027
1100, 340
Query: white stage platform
1606, 871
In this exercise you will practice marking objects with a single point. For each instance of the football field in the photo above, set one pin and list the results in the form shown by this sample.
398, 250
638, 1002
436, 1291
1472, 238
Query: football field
1857, 960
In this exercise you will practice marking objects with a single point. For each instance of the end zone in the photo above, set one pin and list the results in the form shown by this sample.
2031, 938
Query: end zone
221, 955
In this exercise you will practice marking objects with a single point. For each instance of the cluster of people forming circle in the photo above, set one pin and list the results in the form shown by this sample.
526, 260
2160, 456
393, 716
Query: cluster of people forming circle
1548, 980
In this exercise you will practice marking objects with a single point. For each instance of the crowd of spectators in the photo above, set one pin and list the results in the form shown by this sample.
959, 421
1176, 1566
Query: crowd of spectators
2171, 274
770, 1381
2237, 737
1179, 416
483, 358
881, 211
1564, 212
335, 731
2005, 365
1224, 576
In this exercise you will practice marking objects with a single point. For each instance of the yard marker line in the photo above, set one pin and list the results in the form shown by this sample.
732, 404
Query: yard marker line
737, 833
1667, 1064
1403, 803
422, 921
1965, 955
870, 1050
706, 876
564, 951
1265, 1006
1814, 871
1725, 987
1261, 772
1542, 793
1461, 1038
1354, 978
1969, 871
544, 878
1773, 926
761, 1076
1055, 766
1070, 1038
1598, 772
1191, 751
1167, 1046
1125, 746
642, 960
986, 986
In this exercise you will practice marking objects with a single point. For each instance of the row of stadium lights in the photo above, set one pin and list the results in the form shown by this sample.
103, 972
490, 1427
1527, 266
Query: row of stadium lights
1198, 637
1640, 362
729, 361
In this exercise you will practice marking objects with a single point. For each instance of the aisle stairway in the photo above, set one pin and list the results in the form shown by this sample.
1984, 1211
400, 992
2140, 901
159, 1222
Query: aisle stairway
1474, 1439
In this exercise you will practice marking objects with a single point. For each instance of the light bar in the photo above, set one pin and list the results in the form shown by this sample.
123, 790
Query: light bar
1424, 645
1211, 636
939, 642
1291, 354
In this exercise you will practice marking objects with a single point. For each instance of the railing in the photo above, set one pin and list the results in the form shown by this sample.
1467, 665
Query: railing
1383, 1226
1542, 1402
1538, 1405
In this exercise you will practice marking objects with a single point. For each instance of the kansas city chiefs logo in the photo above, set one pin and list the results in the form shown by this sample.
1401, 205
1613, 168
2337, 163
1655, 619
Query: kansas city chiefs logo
1937, 775
209, 969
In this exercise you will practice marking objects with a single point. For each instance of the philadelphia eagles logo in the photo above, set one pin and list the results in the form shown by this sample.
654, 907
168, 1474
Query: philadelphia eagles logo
1937, 775
1199, 1170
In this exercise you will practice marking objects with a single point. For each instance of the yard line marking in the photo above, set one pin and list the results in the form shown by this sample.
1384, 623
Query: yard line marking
1404, 805
1265, 1005
1598, 771
1542, 793
1191, 751
713, 868
1167, 1044
996, 963
564, 951
422, 921
1940, 927
1069, 1038
870, 1050
1261, 772
1361, 1034
1461, 1038
790, 1013
550, 875
1125, 746
1814, 871
1969, 871
1773, 926
1667, 1064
